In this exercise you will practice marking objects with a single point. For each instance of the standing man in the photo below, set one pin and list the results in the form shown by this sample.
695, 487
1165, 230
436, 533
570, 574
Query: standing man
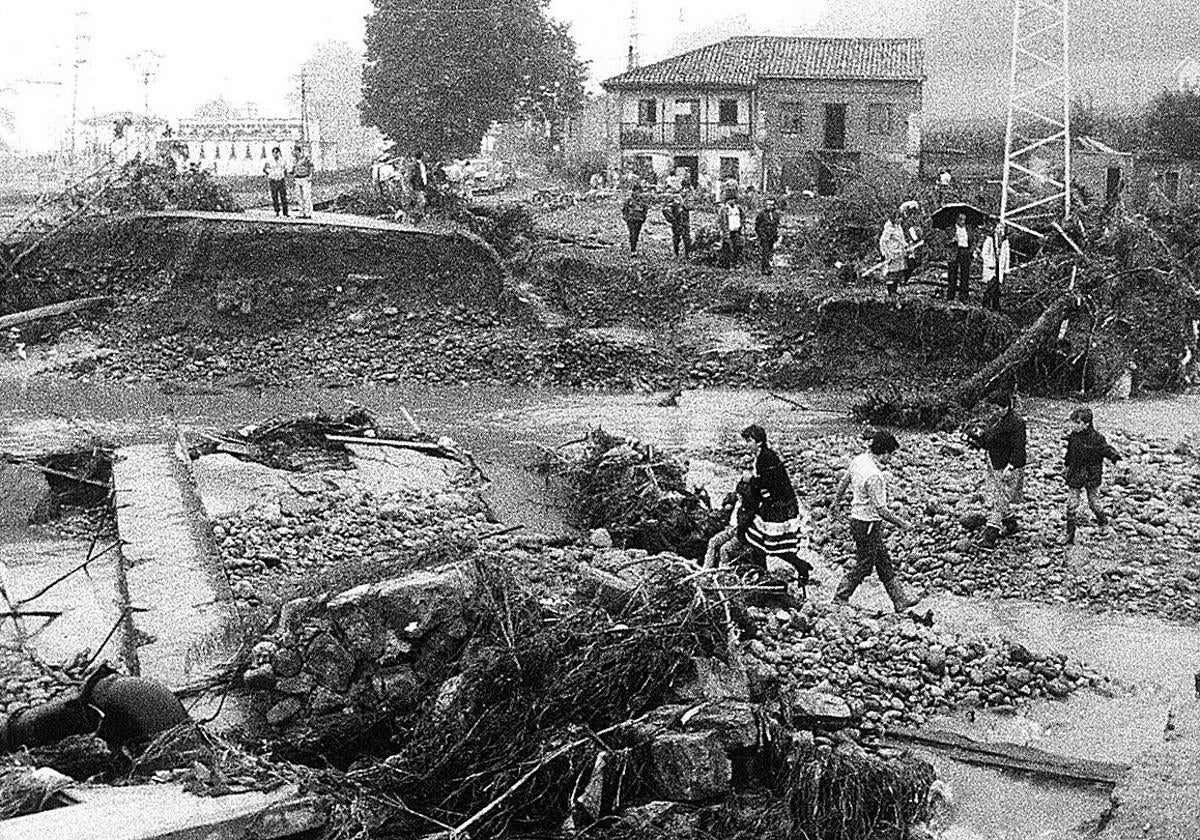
634, 212
766, 228
868, 511
730, 220
1004, 440
914, 237
276, 170
680, 219
418, 181
894, 249
997, 259
303, 172
958, 267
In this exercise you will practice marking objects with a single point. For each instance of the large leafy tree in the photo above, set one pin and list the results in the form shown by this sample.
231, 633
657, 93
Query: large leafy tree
440, 72
1173, 122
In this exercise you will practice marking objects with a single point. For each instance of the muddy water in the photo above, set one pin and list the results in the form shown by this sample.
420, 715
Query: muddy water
503, 427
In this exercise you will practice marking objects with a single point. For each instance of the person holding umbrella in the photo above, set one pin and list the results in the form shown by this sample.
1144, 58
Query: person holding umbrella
960, 221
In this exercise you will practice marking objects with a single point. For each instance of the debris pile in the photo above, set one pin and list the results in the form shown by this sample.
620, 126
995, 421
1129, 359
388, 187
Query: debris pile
314, 440
635, 491
500, 716
158, 185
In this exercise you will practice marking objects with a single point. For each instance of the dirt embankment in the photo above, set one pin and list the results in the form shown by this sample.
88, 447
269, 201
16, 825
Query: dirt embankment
255, 303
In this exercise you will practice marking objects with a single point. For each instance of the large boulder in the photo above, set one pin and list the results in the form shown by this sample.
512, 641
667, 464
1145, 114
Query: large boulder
690, 767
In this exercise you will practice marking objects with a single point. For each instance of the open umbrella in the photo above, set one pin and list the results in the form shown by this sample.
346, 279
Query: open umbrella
945, 216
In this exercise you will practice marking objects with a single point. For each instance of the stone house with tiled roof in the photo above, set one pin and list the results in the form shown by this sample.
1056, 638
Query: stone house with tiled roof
774, 112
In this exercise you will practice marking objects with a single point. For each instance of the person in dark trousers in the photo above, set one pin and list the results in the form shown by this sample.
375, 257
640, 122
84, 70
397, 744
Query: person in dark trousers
731, 223
680, 219
766, 228
868, 512
958, 267
634, 212
774, 529
1087, 450
276, 170
418, 182
1004, 441
914, 238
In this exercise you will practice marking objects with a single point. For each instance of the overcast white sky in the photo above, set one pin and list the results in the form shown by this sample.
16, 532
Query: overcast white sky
250, 50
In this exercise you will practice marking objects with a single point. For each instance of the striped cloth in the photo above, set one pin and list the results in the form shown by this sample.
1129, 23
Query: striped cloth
774, 539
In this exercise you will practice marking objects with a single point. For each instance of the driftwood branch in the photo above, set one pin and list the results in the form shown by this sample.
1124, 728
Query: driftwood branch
50, 311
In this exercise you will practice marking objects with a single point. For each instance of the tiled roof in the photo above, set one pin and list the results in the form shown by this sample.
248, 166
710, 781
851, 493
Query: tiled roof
742, 61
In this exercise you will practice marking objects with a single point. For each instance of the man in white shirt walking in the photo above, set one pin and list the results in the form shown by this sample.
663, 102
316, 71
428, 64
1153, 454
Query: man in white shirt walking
276, 170
868, 511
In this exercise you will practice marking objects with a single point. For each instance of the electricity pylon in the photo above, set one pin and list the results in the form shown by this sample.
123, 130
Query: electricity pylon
1037, 141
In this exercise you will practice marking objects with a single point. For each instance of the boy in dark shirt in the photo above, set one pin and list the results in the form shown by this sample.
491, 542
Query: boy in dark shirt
1004, 440
680, 219
1087, 450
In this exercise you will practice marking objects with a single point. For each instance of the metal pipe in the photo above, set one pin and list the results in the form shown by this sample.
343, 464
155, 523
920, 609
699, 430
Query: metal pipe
119, 710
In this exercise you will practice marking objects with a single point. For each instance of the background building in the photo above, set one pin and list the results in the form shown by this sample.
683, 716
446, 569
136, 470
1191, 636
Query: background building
799, 113
240, 146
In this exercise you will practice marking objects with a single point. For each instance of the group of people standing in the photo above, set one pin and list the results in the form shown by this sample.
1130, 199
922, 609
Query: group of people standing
764, 512
901, 242
732, 221
300, 167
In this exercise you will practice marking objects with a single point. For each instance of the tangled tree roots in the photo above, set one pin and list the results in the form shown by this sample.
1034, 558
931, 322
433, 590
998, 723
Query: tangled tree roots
850, 797
634, 490
526, 697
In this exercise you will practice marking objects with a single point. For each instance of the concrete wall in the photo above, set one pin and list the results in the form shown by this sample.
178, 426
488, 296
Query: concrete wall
900, 146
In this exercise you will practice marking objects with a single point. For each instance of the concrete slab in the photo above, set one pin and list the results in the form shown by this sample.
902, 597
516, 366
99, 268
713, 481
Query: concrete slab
191, 627
167, 812
90, 603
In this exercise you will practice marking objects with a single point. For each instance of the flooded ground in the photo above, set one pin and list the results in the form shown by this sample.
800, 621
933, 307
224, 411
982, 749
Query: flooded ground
1155, 663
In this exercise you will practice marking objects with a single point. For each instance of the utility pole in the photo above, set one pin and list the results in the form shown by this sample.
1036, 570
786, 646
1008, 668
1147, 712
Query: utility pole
82, 39
303, 107
1037, 137
634, 59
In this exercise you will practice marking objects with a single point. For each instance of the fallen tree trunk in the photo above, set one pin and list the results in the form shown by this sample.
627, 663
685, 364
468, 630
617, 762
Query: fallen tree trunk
64, 308
1028, 345
1012, 757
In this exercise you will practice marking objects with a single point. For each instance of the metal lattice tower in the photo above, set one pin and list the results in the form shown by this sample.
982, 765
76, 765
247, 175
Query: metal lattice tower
1037, 143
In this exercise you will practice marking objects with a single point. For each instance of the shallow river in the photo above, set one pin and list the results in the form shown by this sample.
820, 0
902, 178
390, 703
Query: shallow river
502, 427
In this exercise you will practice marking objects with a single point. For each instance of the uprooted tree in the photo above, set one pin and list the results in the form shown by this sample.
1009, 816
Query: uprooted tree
440, 72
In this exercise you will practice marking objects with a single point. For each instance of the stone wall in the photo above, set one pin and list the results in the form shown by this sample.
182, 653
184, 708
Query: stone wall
368, 649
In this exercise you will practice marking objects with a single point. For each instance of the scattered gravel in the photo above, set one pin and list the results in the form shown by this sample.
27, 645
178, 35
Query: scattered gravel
893, 671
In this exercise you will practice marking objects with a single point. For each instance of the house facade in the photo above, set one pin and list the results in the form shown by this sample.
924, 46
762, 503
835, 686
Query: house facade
777, 113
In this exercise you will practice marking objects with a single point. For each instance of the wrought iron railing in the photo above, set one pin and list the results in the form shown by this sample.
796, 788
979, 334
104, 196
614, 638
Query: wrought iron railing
686, 134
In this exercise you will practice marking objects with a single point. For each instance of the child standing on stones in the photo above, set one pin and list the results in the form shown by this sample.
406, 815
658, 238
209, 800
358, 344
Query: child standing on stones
868, 511
634, 213
1087, 450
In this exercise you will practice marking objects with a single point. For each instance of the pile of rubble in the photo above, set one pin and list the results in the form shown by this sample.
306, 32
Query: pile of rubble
894, 672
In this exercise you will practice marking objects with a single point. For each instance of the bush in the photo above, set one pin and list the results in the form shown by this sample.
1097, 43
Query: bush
151, 185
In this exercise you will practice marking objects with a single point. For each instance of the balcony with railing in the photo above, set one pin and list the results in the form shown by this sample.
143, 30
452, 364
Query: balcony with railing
686, 134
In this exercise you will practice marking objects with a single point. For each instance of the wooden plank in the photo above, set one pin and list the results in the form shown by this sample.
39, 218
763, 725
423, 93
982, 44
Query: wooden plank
64, 308
1009, 756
